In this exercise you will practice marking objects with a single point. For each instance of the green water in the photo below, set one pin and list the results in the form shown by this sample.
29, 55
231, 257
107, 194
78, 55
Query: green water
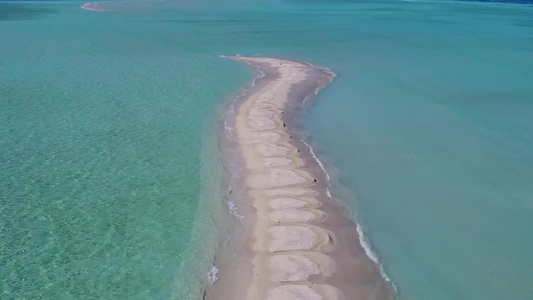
102, 126
109, 171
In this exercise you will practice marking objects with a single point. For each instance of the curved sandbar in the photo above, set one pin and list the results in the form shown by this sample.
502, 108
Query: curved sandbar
302, 245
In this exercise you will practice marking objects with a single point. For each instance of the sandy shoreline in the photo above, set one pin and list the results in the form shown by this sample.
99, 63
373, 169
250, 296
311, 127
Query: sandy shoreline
298, 242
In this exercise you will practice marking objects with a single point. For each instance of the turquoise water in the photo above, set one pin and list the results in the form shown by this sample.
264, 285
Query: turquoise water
106, 139
109, 171
433, 134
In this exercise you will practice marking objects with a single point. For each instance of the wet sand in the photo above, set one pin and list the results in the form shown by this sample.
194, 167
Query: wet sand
297, 241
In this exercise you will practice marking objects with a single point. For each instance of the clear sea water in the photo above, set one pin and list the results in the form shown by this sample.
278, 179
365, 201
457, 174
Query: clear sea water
109, 173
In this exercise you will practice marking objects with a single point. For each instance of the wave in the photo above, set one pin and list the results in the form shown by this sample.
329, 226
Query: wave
212, 276
363, 240
94, 6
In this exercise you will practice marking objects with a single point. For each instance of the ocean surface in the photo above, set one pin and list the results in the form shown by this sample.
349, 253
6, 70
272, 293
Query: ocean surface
110, 179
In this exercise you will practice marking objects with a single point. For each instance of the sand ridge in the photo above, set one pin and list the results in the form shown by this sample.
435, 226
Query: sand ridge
290, 245
297, 241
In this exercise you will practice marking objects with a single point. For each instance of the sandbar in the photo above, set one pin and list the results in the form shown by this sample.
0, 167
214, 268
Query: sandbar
298, 241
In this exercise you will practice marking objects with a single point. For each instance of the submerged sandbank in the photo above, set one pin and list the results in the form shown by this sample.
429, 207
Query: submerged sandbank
297, 242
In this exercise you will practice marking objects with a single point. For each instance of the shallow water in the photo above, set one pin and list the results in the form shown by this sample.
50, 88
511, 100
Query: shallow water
106, 138
432, 134
106, 129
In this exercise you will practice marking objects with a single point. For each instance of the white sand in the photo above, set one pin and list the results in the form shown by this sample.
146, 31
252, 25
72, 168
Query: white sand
290, 245
298, 266
287, 203
293, 292
293, 216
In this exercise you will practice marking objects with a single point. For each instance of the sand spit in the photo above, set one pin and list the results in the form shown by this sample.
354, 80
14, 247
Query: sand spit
300, 242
